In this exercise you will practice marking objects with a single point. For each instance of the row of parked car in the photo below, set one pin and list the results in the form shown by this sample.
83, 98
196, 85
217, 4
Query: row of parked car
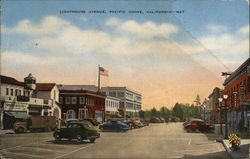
123, 124
193, 125
87, 129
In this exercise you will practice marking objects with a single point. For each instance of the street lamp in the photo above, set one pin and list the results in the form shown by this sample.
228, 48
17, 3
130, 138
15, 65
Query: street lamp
225, 96
204, 111
220, 101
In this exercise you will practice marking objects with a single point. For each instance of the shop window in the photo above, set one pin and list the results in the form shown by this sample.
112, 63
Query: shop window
70, 114
83, 113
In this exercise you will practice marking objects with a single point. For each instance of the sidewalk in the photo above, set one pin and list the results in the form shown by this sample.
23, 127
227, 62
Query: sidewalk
10, 131
243, 153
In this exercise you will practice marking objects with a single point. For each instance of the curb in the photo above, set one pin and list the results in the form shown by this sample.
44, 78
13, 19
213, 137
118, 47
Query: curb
227, 147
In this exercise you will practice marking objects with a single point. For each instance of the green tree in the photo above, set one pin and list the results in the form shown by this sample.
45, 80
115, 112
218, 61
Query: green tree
153, 112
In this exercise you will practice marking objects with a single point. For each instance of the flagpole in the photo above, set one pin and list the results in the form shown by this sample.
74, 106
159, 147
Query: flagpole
98, 78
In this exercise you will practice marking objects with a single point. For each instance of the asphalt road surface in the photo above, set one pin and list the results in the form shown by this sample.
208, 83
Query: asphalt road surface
155, 141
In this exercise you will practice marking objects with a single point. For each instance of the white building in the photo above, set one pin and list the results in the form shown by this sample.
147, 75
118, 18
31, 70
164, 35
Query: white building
130, 100
50, 93
20, 100
112, 105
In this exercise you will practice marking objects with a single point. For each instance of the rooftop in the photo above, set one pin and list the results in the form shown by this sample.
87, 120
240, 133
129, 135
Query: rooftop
45, 86
10, 80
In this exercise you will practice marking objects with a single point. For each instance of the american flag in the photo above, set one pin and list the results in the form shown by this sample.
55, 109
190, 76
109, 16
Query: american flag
103, 72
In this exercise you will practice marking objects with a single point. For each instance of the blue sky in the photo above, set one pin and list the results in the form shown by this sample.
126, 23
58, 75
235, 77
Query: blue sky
184, 50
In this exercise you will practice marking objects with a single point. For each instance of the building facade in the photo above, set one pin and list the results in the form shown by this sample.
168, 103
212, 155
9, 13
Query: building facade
237, 87
50, 93
214, 106
130, 100
18, 101
81, 104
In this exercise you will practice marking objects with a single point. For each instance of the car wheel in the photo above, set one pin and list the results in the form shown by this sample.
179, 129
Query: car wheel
92, 140
20, 130
79, 138
57, 137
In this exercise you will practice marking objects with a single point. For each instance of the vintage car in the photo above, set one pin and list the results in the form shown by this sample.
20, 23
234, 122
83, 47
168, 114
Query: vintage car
198, 125
144, 122
77, 130
138, 123
114, 125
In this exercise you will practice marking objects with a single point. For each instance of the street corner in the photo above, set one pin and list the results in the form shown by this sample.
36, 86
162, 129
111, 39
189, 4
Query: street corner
241, 153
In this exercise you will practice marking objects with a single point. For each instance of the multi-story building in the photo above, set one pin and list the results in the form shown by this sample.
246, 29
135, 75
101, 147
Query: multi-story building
111, 106
80, 104
215, 107
18, 101
50, 93
237, 87
130, 100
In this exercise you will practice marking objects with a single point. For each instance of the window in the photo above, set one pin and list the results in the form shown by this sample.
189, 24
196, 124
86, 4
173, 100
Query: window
82, 100
16, 91
81, 113
112, 94
7, 91
11, 92
129, 95
73, 100
120, 94
67, 100
70, 114
20, 93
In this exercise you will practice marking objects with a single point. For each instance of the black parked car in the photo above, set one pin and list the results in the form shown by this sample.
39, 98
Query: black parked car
77, 130
113, 125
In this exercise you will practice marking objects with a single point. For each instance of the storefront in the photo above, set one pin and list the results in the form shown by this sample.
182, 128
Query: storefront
12, 112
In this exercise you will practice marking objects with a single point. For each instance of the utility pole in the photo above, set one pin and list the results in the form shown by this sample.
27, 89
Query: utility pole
98, 78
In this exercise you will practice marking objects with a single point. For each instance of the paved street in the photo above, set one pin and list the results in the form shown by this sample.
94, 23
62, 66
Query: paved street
154, 141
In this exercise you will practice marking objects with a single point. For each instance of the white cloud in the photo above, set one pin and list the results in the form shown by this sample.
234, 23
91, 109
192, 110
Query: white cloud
73, 40
244, 30
148, 29
48, 25
216, 28
22, 58
128, 38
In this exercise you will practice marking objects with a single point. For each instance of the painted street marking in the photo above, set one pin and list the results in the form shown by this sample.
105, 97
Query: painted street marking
72, 151
40, 148
24, 154
189, 142
22, 145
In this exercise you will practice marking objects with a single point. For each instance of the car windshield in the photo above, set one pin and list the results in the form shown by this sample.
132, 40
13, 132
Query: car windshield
119, 122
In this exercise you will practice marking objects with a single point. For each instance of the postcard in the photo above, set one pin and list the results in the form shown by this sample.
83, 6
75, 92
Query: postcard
124, 79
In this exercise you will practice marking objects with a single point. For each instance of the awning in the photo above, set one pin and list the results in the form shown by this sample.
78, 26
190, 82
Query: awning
18, 115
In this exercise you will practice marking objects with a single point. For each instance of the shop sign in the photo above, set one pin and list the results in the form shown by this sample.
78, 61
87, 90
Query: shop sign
15, 106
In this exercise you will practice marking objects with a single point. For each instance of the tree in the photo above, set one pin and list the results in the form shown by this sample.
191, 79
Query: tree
153, 112
165, 113
197, 100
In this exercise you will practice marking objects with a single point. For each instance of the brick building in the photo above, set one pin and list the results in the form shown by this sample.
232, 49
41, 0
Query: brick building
81, 104
237, 87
